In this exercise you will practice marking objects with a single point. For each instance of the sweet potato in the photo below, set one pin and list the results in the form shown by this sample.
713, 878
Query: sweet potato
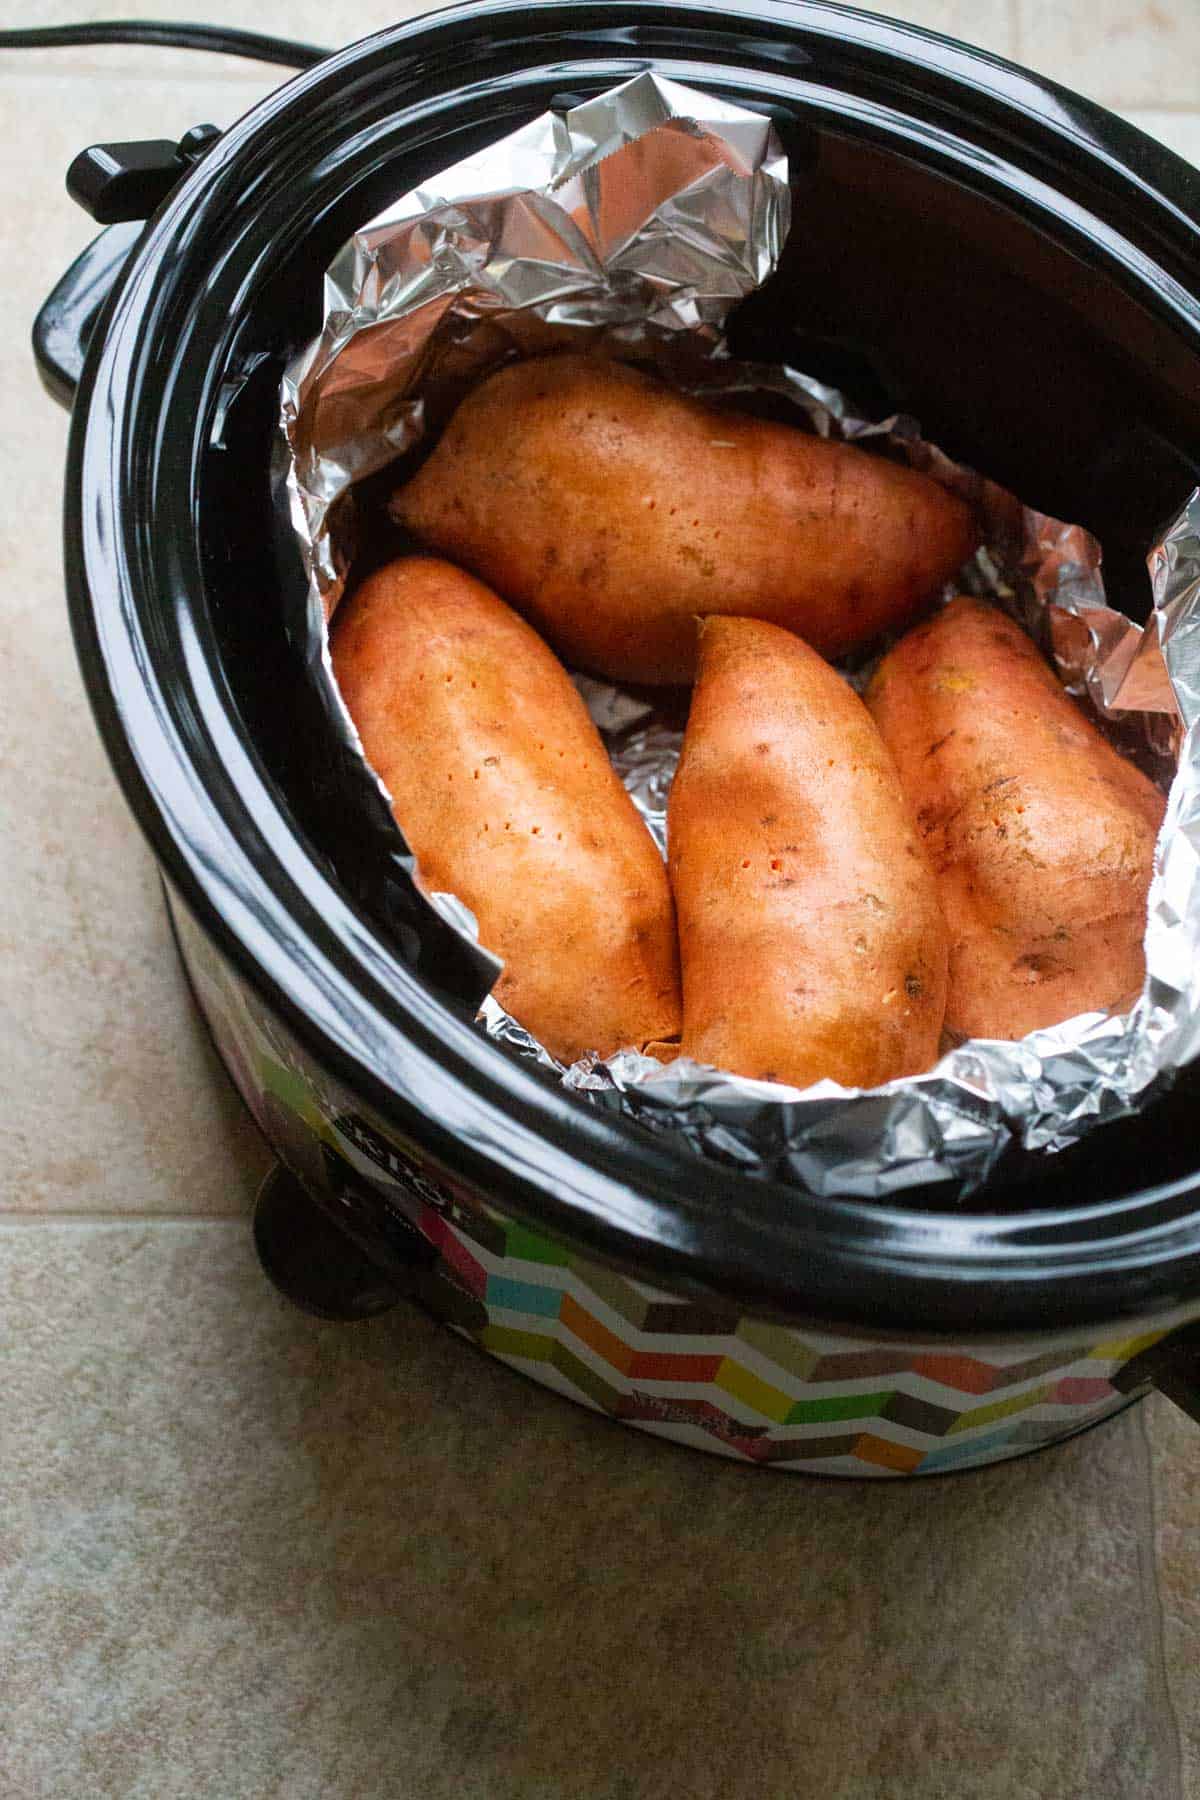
1041, 835
501, 785
611, 511
810, 935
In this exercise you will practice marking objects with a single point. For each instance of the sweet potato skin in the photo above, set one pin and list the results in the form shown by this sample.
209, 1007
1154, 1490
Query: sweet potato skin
811, 939
611, 511
501, 785
1040, 833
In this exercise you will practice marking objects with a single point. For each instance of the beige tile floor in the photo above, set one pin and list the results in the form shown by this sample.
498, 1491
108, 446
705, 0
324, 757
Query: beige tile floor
244, 1555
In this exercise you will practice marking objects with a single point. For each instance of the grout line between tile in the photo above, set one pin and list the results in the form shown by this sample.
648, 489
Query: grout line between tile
21, 1220
1166, 1718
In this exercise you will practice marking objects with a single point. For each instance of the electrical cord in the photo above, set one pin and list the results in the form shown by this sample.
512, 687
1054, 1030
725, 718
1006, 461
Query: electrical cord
167, 36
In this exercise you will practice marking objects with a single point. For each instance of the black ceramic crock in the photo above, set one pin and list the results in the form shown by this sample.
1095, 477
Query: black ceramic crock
1016, 267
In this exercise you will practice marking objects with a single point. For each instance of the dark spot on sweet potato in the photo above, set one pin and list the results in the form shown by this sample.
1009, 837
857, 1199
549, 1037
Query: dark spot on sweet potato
1036, 967
913, 986
937, 745
931, 818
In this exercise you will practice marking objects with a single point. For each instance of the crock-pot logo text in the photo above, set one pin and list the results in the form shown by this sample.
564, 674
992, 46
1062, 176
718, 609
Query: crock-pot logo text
399, 1165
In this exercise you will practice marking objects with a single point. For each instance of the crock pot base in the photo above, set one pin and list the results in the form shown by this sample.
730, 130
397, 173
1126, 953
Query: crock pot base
319, 1269
841, 1473
695, 1371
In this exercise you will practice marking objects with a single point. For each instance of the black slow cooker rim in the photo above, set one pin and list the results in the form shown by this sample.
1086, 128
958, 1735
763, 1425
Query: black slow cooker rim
223, 839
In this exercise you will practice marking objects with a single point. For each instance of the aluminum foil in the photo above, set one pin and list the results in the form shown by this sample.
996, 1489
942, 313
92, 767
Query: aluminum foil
637, 217
634, 222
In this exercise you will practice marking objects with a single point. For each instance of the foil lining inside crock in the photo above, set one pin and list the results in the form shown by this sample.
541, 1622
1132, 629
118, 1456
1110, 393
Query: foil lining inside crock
634, 223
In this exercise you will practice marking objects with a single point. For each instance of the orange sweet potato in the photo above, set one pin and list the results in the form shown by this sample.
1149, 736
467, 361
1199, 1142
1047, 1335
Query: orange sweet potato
611, 511
1040, 833
502, 787
811, 939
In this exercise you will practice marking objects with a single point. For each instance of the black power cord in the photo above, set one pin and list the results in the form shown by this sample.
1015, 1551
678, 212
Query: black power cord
168, 36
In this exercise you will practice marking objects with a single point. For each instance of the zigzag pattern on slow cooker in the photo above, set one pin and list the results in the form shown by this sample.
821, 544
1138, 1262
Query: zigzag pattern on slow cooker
750, 1390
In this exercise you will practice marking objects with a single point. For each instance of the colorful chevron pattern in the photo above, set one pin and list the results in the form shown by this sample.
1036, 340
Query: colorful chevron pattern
759, 1393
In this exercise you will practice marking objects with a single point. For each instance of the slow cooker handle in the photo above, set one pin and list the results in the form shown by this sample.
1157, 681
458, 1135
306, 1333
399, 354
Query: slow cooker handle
63, 328
120, 185
310, 1253
1172, 1365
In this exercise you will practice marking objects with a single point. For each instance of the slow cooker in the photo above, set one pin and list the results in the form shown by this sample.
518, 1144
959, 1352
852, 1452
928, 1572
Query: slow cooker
981, 248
